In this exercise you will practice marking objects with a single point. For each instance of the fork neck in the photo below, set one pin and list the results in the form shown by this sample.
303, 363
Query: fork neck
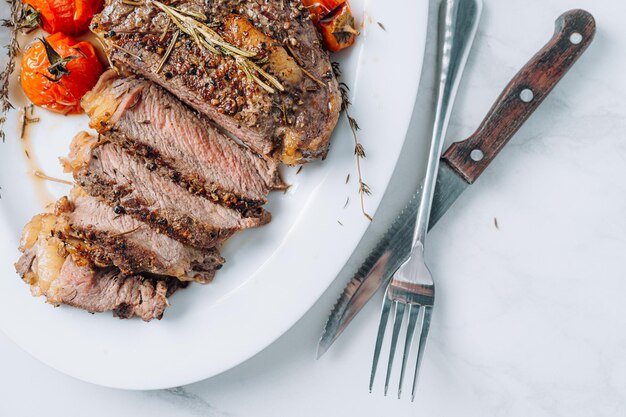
458, 25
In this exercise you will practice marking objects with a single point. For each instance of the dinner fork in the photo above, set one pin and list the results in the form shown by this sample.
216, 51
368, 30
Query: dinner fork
412, 287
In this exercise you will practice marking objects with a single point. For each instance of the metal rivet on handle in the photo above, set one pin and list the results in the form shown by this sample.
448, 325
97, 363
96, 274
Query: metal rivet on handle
576, 38
526, 95
477, 155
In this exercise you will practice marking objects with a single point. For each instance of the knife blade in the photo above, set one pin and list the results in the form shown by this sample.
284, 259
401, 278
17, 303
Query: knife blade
464, 162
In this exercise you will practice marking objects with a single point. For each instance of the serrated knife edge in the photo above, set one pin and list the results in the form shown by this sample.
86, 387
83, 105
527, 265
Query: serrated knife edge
353, 286
397, 242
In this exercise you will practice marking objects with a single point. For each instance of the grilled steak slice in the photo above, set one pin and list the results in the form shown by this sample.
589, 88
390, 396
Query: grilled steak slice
52, 272
99, 290
92, 230
105, 170
179, 144
296, 123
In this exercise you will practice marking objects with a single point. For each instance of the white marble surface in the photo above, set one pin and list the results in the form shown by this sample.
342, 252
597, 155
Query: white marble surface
530, 317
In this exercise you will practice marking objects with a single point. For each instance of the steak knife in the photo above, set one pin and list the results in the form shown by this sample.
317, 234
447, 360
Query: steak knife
464, 162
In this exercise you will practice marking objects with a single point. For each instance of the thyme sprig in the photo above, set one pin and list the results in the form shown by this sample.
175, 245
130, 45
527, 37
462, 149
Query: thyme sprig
28, 118
192, 24
359, 150
13, 49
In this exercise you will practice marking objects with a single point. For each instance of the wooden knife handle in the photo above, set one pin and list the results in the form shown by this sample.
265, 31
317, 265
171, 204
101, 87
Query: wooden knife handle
574, 32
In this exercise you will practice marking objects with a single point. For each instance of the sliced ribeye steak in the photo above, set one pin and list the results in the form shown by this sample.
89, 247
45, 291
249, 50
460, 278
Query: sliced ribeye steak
99, 290
53, 273
226, 69
107, 171
179, 143
92, 230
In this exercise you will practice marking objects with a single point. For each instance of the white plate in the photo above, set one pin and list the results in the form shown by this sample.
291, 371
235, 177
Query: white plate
273, 275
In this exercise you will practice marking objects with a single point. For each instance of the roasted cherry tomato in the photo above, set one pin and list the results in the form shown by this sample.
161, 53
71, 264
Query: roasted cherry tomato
67, 16
335, 22
338, 29
58, 71
317, 9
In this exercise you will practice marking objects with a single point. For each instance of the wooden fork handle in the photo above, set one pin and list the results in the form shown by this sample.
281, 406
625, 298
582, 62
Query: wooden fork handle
575, 30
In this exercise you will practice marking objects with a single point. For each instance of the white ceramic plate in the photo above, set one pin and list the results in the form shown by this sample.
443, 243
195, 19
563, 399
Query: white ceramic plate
273, 275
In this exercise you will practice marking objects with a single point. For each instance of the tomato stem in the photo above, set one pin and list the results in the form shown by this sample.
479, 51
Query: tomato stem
30, 19
58, 64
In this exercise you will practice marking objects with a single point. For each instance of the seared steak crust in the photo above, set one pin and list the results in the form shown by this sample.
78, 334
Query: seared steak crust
126, 183
166, 167
54, 273
297, 122
180, 144
92, 230
99, 290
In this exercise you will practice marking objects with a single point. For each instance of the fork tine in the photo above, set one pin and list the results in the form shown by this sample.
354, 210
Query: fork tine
413, 313
428, 310
384, 316
397, 324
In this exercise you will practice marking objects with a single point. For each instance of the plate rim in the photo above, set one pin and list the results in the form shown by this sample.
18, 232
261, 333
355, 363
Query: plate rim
277, 331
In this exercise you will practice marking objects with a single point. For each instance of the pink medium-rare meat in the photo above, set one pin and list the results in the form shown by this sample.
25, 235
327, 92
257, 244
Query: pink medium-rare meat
294, 124
180, 144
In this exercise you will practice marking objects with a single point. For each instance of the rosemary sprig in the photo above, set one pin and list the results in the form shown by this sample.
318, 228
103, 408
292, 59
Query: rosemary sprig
196, 14
294, 55
311, 76
167, 29
191, 23
359, 151
168, 52
299, 62
12, 50
126, 51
